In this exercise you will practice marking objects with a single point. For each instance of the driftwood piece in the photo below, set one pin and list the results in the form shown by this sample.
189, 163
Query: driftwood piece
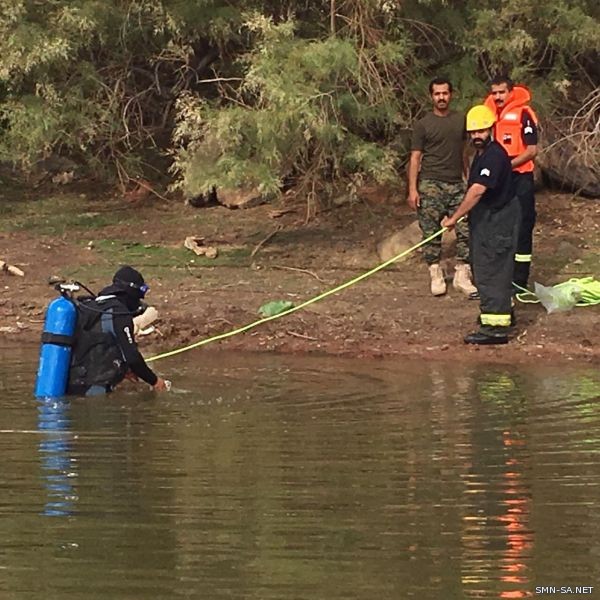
564, 165
196, 245
142, 323
264, 241
279, 212
11, 269
300, 271
302, 336
570, 155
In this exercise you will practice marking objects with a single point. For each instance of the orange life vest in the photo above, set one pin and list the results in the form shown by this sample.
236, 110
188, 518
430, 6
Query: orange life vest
508, 128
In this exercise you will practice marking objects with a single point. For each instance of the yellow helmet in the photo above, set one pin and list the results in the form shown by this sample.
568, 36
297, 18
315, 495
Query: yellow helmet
480, 117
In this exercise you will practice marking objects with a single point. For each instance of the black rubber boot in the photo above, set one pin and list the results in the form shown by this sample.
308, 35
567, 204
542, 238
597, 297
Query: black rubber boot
483, 339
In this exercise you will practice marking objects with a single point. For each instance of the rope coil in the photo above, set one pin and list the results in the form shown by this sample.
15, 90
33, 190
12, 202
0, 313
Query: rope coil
589, 291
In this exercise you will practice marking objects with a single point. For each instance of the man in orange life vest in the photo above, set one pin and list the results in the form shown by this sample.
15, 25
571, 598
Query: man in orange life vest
516, 131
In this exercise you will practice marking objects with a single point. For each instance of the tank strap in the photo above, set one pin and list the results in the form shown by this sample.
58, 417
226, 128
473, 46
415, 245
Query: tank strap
108, 326
57, 339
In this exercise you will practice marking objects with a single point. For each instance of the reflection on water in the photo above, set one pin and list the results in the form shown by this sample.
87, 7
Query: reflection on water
59, 469
266, 477
497, 536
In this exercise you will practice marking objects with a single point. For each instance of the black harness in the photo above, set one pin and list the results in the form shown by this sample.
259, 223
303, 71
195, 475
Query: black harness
96, 358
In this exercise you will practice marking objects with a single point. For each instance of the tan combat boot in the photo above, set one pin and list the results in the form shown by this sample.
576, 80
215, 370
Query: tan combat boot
462, 280
438, 283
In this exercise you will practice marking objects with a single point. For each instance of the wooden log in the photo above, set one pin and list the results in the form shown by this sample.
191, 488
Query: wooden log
142, 322
569, 153
11, 269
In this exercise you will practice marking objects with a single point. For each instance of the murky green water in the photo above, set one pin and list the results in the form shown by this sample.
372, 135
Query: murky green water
269, 477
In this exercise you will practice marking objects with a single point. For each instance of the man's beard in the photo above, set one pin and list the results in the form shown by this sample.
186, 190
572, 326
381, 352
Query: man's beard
479, 143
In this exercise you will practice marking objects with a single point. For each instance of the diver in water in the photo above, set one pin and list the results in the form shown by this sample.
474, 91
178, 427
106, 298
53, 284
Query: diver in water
104, 349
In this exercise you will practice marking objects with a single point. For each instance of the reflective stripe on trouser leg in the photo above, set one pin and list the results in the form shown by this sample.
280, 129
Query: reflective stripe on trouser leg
524, 189
495, 320
521, 271
523, 258
493, 243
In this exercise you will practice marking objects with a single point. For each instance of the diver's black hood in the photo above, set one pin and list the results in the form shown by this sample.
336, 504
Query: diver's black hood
126, 287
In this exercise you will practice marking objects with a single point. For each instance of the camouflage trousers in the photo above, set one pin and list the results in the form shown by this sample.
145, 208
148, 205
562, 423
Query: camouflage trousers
439, 199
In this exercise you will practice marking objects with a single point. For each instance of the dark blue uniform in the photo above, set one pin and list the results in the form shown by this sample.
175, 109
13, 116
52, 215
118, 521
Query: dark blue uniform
494, 226
524, 190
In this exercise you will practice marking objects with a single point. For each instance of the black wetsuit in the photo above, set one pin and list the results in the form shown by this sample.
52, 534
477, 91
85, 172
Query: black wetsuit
105, 348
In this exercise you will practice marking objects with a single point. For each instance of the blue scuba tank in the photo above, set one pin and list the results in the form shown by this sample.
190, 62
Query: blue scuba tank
55, 352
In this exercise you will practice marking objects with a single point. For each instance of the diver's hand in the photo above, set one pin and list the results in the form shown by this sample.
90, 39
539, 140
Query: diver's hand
162, 385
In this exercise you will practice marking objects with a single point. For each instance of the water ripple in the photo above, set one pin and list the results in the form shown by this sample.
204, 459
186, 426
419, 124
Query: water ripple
266, 477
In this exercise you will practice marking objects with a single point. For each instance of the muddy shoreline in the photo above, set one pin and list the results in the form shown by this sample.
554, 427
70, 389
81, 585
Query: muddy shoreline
389, 315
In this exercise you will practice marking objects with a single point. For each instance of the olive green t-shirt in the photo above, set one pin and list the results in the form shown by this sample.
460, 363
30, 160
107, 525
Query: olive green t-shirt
441, 141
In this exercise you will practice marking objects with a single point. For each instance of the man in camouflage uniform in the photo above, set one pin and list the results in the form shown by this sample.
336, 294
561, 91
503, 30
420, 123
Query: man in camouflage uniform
435, 184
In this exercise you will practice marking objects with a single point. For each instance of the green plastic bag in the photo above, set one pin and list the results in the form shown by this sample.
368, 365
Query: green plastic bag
276, 307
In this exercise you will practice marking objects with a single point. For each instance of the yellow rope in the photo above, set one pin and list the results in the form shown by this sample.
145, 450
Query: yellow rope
525, 296
339, 288
589, 290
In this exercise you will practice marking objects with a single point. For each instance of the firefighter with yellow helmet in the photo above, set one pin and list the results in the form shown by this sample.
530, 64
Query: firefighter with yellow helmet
494, 216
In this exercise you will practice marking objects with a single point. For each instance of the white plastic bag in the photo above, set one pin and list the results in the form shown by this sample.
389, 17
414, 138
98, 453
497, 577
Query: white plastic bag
559, 298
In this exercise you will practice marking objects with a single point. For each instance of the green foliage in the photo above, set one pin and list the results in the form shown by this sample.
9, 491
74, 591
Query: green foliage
96, 79
267, 93
318, 110
529, 39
